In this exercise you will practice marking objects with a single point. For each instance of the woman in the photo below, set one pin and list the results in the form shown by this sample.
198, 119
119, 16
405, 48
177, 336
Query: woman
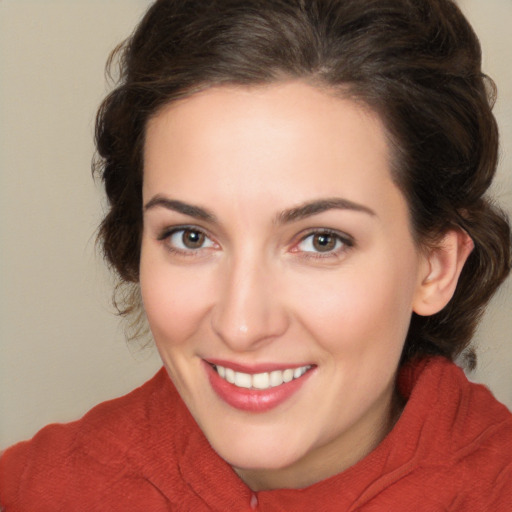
297, 199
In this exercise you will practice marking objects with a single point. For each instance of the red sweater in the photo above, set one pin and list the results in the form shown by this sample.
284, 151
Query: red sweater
450, 450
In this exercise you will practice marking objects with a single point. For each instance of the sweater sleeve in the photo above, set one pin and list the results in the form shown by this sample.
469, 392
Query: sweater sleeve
487, 472
56, 471
90, 464
29, 470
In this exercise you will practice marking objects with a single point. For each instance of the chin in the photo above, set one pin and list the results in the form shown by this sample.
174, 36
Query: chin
258, 452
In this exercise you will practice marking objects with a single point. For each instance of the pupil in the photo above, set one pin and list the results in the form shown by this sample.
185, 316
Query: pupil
193, 239
324, 243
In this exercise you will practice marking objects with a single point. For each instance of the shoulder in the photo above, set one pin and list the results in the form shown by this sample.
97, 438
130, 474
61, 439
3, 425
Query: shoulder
100, 452
451, 449
483, 456
466, 438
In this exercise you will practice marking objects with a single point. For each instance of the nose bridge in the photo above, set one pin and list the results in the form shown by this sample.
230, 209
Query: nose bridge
248, 311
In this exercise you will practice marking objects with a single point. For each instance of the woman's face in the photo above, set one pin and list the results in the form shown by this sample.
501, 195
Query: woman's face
277, 254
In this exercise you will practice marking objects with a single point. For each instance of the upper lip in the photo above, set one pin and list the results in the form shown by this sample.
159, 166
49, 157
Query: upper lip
254, 368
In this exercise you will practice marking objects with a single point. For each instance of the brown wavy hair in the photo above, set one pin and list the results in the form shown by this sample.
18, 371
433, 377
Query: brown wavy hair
417, 63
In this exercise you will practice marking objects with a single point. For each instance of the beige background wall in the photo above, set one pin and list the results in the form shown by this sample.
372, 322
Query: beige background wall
61, 349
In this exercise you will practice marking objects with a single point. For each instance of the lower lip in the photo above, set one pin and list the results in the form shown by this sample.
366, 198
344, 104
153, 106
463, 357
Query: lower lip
253, 400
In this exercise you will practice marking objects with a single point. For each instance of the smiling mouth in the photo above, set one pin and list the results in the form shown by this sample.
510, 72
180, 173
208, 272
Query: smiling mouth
260, 381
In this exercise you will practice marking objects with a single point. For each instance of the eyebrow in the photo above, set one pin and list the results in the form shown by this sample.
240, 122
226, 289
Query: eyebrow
297, 213
321, 205
180, 207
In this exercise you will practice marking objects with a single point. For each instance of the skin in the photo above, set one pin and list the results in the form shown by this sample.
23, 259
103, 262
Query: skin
257, 290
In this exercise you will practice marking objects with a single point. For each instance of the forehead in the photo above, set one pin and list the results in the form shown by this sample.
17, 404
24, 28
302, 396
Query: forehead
278, 132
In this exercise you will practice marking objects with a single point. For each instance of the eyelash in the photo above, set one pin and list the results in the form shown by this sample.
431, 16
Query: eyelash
165, 237
346, 242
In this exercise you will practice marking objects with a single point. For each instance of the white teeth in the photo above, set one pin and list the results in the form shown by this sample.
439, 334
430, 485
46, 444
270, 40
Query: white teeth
288, 375
230, 375
243, 380
276, 378
261, 381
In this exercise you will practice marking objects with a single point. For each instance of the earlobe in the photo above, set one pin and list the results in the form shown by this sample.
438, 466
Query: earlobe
441, 271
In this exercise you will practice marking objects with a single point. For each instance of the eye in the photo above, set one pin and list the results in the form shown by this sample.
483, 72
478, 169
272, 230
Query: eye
187, 240
323, 242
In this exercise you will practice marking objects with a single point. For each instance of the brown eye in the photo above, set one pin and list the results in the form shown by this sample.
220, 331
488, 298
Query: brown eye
192, 239
324, 242
187, 240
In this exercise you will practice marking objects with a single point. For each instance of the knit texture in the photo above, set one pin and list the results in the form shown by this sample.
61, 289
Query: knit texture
451, 450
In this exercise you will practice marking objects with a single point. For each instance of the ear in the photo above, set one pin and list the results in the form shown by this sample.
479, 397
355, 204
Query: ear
440, 272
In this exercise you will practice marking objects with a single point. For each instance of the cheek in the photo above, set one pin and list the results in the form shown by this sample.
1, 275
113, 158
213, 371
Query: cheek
361, 309
175, 301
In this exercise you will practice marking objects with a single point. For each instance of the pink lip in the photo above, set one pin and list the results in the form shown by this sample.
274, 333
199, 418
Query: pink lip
252, 400
255, 368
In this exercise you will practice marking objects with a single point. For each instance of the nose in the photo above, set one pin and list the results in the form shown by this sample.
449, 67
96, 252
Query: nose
248, 312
